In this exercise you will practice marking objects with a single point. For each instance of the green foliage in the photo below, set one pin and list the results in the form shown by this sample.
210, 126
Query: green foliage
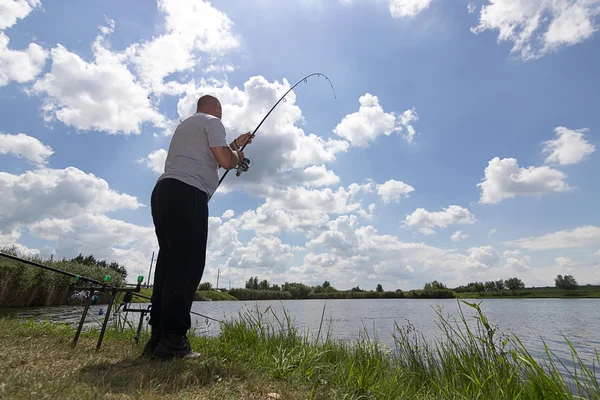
249, 294
205, 286
214, 295
567, 282
90, 260
514, 284
379, 288
22, 285
435, 285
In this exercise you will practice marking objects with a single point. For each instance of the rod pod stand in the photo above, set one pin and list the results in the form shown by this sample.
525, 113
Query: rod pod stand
113, 293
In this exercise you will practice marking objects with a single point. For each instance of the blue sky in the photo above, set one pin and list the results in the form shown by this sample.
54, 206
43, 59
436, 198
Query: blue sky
90, 94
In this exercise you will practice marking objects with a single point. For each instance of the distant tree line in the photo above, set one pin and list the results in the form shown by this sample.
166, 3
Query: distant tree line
257, 289
512, 284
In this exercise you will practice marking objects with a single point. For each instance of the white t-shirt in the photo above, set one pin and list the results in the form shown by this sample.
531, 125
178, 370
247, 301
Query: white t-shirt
189, 158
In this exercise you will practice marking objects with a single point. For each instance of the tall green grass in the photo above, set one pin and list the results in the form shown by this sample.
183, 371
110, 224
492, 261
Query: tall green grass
470, 361
22, 285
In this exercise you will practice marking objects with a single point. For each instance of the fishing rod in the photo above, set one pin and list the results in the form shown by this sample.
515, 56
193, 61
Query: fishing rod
245, 163
101, 287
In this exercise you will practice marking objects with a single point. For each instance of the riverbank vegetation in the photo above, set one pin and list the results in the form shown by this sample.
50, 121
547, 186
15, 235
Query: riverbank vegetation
264, 356
22, 285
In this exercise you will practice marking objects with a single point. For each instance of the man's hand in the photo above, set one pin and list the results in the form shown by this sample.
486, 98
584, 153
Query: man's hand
242, 140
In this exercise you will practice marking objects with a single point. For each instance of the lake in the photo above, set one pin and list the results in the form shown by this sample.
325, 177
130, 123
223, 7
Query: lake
530, 319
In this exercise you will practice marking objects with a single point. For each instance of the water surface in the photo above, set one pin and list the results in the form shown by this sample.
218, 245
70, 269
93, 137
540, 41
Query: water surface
530, 319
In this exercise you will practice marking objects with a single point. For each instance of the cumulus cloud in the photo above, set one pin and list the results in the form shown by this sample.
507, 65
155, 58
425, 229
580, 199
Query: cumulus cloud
345, 247
20, 65
538, 27
25, 146
504, 179
155, 161
482, 257
458, 236
371, 121
102, 95
60, 193
582, 236
192, 28
262, 253
516, 261
569, 147
407, 8
13, 10
393, 190
426, 221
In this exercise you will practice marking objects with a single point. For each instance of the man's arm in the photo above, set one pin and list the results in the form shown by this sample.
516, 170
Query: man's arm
223, 153
225, 156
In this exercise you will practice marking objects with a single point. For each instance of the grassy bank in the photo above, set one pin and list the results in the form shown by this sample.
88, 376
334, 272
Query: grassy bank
22, 285
201, 295
260, 354
587, 291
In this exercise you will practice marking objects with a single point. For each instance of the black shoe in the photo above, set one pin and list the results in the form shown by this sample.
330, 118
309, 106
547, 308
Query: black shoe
152, 343
173, 346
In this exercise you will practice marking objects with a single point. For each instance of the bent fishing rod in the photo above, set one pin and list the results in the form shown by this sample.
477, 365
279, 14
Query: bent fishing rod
244, 164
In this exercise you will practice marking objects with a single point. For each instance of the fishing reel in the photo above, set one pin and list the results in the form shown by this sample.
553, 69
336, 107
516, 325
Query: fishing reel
244, 166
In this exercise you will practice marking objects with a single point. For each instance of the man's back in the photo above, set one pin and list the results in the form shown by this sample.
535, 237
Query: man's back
189, 158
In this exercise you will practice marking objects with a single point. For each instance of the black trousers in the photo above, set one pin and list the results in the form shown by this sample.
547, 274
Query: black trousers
180, 215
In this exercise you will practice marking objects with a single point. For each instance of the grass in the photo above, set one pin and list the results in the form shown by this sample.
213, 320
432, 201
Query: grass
586, 291
201, 295
22, 285
262, 353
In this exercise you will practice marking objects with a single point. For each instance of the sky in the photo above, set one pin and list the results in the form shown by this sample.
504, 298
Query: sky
459, 143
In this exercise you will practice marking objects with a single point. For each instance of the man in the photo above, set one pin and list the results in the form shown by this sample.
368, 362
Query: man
180, 214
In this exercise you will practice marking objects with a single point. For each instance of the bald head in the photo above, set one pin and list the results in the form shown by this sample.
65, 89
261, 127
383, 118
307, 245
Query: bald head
208, 104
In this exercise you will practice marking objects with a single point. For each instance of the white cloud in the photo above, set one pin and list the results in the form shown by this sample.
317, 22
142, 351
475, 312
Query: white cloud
20, 65
427, 221
516, 261
313, 176
262, 253
102, 95
106, 238
22, 145
345, 248
458, 236
59, 193
407, 8
393, 190
371, 121
564, 261
492, 231
191, 27
504, 180
569, 147
471, 8
482, 257
13, 10
228, 214
155, 161
582, 236
539, 27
